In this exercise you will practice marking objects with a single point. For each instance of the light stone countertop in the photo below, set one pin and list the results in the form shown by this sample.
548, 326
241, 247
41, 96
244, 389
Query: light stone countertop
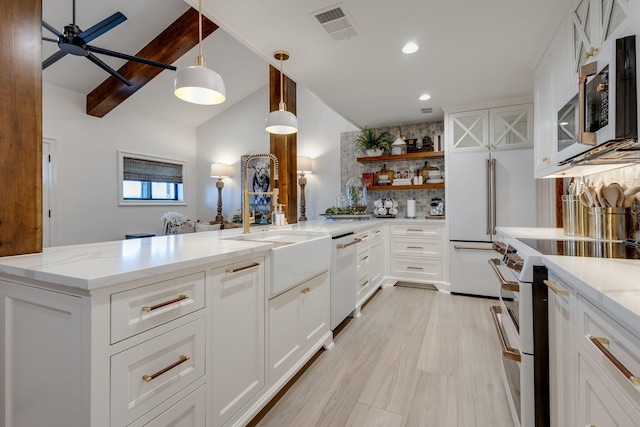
95, 265
611, 284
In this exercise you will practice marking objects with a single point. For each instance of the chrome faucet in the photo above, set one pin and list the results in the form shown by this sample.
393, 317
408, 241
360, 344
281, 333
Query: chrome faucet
274, 187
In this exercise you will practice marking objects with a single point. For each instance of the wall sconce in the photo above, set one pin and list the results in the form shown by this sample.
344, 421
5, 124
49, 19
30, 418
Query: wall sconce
304, 166
220, 171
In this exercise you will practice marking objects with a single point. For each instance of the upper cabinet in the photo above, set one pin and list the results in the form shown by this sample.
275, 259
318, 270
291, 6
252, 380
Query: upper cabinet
592, 23
491, 129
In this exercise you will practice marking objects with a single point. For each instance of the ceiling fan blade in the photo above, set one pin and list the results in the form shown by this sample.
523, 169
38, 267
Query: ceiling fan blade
53, 58
49, 39
102, 27
53, 30
108, 69
129, 57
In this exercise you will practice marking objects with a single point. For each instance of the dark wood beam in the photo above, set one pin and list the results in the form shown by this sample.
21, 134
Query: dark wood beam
176, 40
20, 127
285, 146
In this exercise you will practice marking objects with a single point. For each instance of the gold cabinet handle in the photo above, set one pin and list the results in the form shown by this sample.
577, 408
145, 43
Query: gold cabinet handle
546, 160
305, 290
414, 230
147, 308
600, 345
415, 247
505, 284
346, 245
552, 285
414, 268
235, 270
591, 52
507, 352
148, 378
470, 248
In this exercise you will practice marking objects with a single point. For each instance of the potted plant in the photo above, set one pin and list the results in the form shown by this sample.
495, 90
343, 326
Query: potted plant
372, 143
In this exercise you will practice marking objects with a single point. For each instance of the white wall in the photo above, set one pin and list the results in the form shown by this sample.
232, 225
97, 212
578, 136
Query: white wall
86, 208
239, 130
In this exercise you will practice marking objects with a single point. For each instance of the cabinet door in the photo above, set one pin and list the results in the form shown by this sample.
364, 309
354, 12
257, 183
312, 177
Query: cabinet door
237, 338
314, 301
41, 361
511, 127
598, 404
469, 131
562, 353
284, 331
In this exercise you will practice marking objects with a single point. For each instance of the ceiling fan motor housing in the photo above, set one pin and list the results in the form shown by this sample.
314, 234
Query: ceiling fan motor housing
71, 43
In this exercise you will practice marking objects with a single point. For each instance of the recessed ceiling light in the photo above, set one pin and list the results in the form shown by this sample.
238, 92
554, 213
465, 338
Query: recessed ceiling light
424, 97
410, 47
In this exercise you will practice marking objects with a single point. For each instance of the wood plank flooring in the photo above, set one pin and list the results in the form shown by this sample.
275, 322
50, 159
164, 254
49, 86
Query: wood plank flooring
415, 357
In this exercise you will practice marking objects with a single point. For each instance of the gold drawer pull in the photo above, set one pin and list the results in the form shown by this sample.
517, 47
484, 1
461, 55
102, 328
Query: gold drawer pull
147, 309
183, 359
414, 268
346, 245
415, 230
600, 344
552, 285
415, 247
364, 258
470, 248
505, 284
235, 270
305, 290
507, 352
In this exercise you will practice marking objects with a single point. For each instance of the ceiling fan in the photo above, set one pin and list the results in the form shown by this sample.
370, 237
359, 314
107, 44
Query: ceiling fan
75, 42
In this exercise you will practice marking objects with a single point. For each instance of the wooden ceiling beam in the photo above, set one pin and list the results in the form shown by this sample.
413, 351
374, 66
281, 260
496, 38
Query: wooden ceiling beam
176, 40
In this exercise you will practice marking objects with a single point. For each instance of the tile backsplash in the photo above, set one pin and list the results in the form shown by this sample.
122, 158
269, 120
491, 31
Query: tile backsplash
350, 167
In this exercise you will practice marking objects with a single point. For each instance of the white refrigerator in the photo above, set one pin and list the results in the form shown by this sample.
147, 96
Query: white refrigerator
485, 190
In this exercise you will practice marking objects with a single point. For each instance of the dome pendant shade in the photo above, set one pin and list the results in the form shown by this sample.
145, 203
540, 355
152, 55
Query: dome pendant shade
199, 85
281, 122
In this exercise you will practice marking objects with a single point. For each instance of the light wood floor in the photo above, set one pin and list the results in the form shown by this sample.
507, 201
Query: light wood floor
414, 358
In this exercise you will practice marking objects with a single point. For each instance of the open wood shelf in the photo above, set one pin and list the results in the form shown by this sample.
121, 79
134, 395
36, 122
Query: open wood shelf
404, 187
391, 157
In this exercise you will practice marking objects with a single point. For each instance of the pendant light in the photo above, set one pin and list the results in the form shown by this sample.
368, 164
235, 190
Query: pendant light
198, 84
281, 121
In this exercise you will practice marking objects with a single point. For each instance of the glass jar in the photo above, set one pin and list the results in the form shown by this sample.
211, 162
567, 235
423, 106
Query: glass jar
436, 208
356, 193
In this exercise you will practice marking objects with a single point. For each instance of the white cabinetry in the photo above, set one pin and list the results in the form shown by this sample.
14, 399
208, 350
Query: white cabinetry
592, 23
298, 319
237, 341
41, 365
376, 254
416, 252
562, 352
491, 129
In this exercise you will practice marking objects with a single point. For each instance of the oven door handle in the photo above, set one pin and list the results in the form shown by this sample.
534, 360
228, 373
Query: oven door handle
507, 352
507, 285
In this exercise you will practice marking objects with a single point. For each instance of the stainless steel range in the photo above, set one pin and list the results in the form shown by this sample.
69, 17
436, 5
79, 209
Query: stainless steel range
521, 323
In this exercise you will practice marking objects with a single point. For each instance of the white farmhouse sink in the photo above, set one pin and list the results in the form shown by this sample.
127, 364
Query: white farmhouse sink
295, 257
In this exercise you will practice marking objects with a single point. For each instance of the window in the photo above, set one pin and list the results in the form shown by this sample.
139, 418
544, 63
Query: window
150, 180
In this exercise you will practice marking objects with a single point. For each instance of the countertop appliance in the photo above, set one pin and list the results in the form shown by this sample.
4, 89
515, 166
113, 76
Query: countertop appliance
521, 321
486, 190
343, 277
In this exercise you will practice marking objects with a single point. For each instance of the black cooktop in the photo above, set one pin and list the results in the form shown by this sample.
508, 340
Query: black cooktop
587, 248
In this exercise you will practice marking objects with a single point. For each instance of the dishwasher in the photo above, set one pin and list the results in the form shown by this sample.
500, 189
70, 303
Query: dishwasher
343, 277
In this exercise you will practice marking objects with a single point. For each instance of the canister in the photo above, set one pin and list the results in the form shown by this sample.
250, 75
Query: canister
411, 208
608, 223
574, 216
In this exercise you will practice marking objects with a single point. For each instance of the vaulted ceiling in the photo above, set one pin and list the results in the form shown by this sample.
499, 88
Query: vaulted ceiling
470, 52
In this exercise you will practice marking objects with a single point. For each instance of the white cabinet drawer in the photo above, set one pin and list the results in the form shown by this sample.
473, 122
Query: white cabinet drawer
417, 230
421, 269
141, 309
613, 348
362, 261
146, 375
188, 412
401, 246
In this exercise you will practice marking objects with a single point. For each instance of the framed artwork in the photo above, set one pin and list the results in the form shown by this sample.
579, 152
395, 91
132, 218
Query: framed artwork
259, 180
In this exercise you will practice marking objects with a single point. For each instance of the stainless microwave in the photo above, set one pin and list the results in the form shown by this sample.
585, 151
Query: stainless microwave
605, 107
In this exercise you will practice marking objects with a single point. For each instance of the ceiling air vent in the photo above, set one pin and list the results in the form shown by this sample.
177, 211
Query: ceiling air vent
426, 110
336, 22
